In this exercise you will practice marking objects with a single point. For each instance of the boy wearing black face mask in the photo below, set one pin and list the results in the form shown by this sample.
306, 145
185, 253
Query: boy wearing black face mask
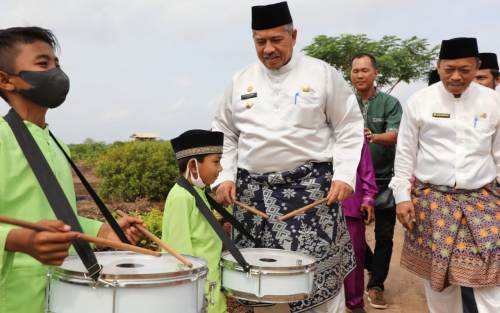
31, 82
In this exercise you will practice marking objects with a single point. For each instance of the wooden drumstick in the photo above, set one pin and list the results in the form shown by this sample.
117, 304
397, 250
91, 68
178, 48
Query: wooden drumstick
303, 209
159, 242
99, 241
252, 209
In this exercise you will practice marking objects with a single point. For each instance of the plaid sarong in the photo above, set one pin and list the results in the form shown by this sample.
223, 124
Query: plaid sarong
320, 232
456, 238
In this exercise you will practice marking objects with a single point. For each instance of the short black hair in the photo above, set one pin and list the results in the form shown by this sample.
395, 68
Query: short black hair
184, 162
365, 54
10, 37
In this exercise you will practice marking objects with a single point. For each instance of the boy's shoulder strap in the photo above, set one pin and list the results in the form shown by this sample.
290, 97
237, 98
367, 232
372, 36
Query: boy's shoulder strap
230, 218
100, 204
52, 189
209, 216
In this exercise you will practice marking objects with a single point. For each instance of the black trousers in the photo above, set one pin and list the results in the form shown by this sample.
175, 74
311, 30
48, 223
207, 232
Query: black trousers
378, 261
468, 301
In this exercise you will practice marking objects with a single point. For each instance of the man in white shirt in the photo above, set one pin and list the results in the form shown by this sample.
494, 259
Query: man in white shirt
293, 135
449, 139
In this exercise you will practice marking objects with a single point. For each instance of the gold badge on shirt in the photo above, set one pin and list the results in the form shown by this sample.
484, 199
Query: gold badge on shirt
306, 88
483, 115
441, 115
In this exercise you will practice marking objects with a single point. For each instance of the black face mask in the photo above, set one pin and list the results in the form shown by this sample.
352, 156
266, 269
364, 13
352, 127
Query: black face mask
48, 88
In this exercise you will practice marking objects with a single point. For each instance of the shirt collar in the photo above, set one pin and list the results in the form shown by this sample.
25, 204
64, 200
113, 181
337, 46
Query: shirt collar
37, 129
282, 70
360, 100
464, 96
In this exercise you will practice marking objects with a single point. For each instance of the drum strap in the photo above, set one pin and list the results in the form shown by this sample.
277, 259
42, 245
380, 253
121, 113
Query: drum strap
230, 218
209, 216
100, 204
52, 189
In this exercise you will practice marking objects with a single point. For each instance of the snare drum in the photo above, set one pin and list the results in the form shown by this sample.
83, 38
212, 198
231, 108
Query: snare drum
276, 276
129, 283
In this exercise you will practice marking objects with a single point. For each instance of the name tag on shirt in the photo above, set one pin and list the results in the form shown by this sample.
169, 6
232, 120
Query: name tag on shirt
249, 96
441, 115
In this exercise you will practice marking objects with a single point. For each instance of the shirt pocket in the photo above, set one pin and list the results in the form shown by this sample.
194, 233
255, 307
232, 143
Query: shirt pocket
305, 111
378, 123
480, 133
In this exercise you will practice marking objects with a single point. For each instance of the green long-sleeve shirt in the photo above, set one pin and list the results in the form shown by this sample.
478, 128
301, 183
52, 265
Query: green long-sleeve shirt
186, 230
22, 278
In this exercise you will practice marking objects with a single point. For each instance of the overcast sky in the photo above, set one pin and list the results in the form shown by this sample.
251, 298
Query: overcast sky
161, 65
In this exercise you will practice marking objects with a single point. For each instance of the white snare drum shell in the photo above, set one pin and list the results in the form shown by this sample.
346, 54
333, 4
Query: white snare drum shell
277, 276
130, 283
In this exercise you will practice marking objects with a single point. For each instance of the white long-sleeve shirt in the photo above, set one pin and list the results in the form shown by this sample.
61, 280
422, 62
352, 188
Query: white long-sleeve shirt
279, 120
448, 141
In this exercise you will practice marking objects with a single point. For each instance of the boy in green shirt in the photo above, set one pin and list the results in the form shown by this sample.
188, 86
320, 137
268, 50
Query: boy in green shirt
31, 82
198, 153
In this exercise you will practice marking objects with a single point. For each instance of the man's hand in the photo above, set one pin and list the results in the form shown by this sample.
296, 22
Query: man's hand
226, 193
127, 224
405, 212
370, 213
50, 248
339, 191
369, 135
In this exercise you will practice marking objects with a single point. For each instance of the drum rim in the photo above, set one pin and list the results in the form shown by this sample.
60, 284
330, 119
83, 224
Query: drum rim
79, 276
228, 264
267, 299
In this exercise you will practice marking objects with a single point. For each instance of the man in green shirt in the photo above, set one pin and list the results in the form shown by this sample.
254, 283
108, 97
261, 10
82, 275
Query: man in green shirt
382, 115
31, 82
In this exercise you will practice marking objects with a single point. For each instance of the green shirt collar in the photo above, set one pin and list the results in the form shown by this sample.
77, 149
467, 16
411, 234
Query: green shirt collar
375, 95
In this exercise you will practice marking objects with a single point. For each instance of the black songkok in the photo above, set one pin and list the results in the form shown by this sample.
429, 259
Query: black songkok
197, 142
458, 48
489, 61
270, 16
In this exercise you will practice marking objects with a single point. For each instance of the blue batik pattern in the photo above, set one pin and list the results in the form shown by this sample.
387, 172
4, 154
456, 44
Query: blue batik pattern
320, 232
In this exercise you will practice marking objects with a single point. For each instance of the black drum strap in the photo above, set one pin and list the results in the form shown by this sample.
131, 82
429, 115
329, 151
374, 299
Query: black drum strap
52, 189
231, 220
209, 216
100, 204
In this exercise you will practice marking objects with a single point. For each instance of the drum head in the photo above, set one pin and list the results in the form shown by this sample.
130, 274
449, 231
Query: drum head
131, 266
271, 259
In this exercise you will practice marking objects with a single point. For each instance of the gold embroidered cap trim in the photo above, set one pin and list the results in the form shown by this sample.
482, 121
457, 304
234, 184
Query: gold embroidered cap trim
197, 151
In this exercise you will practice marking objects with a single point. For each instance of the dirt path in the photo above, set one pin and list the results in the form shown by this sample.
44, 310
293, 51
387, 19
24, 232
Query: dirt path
404, 291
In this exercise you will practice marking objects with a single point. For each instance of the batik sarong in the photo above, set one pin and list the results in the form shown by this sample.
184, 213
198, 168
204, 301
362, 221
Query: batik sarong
456, 236
320, 232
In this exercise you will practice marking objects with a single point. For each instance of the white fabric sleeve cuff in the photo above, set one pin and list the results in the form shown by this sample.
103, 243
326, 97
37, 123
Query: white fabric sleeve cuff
225, 176
401, 189
401, 196
351, 181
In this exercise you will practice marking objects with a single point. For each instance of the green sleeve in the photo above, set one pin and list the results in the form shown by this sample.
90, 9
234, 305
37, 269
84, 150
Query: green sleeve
394, 114
90, 226
6, 257
176, 230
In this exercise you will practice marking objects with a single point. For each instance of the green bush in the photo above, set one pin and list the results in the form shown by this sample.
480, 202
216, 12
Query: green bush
87, 152
153, 220
134, 170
